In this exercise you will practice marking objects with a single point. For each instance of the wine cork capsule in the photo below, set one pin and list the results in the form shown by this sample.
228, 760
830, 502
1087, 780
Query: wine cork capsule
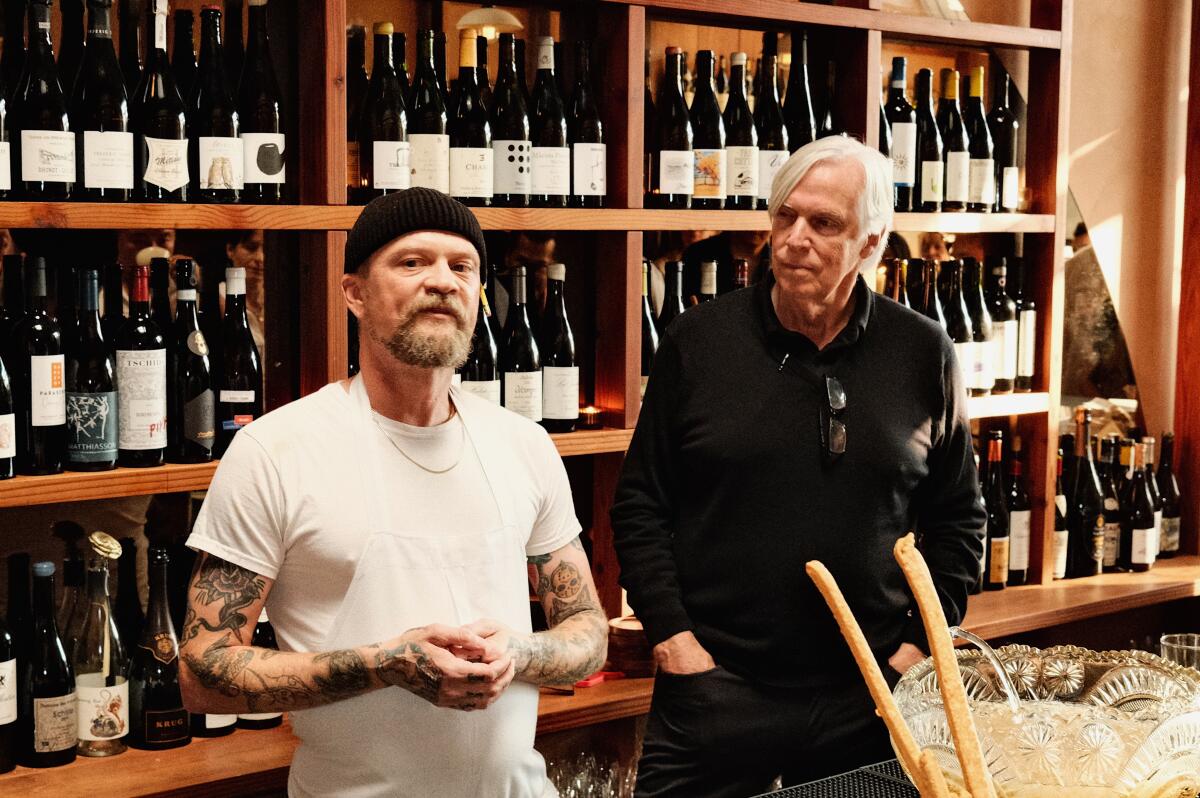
105, 545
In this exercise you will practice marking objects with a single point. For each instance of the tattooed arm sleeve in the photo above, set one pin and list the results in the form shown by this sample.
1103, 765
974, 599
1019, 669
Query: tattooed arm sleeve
576, 644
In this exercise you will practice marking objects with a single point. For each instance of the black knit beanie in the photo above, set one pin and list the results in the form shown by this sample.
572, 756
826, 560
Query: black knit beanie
388, 217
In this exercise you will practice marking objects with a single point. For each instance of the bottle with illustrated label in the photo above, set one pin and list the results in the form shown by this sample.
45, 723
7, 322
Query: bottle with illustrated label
1026, 326
560, 372
260, 116
673, 163
239, 388
954, 141
356, 99
958, 324
798, 104
8, 423
47, 708
1168, 490
1152, 486
160, 122
9, 737
384, 153
481, 374
520, 359
471, 173
981, 183
1137, 521
141, 381
551, 151
1020, 518
1003, 311
998, 519
773, 135
1004, 126
930, 166
216, 156
902, 118
263, 637
39, 381
429, 143
91, 385
741, 143
183, 55
1085, 506
98, 657
100, 116
708, 282
981, 329
672, 304
649, 328
589, 155
1106, 468
708, 142
157, 718
45, 142
191, 403
510, 134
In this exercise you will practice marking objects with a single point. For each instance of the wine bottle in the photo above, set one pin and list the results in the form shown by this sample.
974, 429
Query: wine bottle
428, 141
998, 521
439, 65
263, 637
1124, 463
672, 304
674, 165
18, 607
357, 85
471, 173
160, 123
91, 385
157, 718
686, 79
481, 374
260, 115
708, 282
141, 381
1003, 125
1066, 442
1137, 523
741, 273
131, 42
958, 325
239, 394
954, 140
100, 116
160, 292
708, 138
38, 380
235, 52
773, 134
1168, 489
510, 133
1003, 311
481, 72
191, 403
9, 726
1020, 517
520, 358
400, 61
8, 428
649, 328
216, 157
981, 330
589, 156
1156, 497
183, 58
1106, 469
931, 169
902, 118
211, 318
74, 570
1026, 328
127, 609
649, 125
550, 147
114, 302
6, 139
99, 660
798, 104
885, 133
47, 684
981, 189
211, 725
741, 143
70, 51
829, 123
1085, 507
560, 372
12, 60
385, 156
40, 113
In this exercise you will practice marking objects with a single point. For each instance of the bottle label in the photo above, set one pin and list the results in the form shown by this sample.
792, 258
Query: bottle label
430, 160
560, 392
196, 343
589, 167
1019, 524
1004, 340
5, 166
709, 174
221, 162
165, 649
998, 567
1170, 534
167, 726
742, 164
968, 361
1143, 546
1156, 540
1026, 342
933, 176
982, 187
471, 172
8, 438
142, 398
199, 420
512, 164
1112, 537
552, 171
958, 176
985, 364
264, 157
523, 393
91, 427
47, 392
166, 163
219, 721
484, 389
237, 397
676, 171
261, 716
8, 691
353, 172
1010, 189
47, 156
769, 164
708, 282
1060, 501
54, 724
392, 164
1060, 552
160, 31
904, 153
103, 711
107, 159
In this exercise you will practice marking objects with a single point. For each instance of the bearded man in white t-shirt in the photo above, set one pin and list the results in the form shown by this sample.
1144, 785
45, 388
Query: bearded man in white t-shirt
391, 523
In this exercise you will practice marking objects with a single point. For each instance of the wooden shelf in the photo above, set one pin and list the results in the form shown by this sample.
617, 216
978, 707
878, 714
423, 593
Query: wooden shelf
601, 441
1012, 404
120, 215
624, 698
974, 223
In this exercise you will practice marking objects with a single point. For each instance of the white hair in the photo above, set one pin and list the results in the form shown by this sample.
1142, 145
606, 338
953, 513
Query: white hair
875, 202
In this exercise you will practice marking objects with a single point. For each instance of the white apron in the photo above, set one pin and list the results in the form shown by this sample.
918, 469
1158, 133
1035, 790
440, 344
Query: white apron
390, 742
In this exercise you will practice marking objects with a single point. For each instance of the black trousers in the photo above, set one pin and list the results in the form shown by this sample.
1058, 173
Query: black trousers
717, 735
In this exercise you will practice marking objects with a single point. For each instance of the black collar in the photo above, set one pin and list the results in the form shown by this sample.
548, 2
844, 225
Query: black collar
783, 341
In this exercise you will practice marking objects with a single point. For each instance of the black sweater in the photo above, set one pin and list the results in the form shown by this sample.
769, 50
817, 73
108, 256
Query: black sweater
727, 491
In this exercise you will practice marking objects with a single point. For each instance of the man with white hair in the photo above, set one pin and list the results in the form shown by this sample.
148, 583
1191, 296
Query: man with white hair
803, 418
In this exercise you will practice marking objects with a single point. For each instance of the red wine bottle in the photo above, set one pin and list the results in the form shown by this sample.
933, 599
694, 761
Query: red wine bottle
47, 147
47, 703
773, 135
216, 155
1020, 518
160, 124
998, 520
673, 162
901, 118
1004, 126
1168, 490
470, 132
157, 717
383, 148
798, 104
427, 122
560, 371
954, 140
708, 140
141, 381
91, 385
672, 305
191, 403
981, 182
510, 134
741, 142
589, 157
520, 358
551, 152
70, 50
8, 699
260, 113
357, 84
39, 381
100, 116
930, 165
183, 58
481, 373
239, 393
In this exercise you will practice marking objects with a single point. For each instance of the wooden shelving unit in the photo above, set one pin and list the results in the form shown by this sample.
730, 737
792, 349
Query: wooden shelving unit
1012, 404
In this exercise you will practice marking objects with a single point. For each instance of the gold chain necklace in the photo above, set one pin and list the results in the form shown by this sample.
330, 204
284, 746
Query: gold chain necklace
461, 446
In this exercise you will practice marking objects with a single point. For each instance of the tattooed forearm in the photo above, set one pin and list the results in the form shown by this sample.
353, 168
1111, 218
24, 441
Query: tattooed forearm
407, 665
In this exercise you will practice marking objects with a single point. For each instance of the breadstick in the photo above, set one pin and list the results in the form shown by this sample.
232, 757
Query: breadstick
931, 774
954, 696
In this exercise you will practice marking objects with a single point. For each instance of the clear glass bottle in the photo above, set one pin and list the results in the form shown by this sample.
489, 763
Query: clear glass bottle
99, 660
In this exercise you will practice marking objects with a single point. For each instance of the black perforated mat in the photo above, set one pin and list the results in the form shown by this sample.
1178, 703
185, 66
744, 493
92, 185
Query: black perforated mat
885, 780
